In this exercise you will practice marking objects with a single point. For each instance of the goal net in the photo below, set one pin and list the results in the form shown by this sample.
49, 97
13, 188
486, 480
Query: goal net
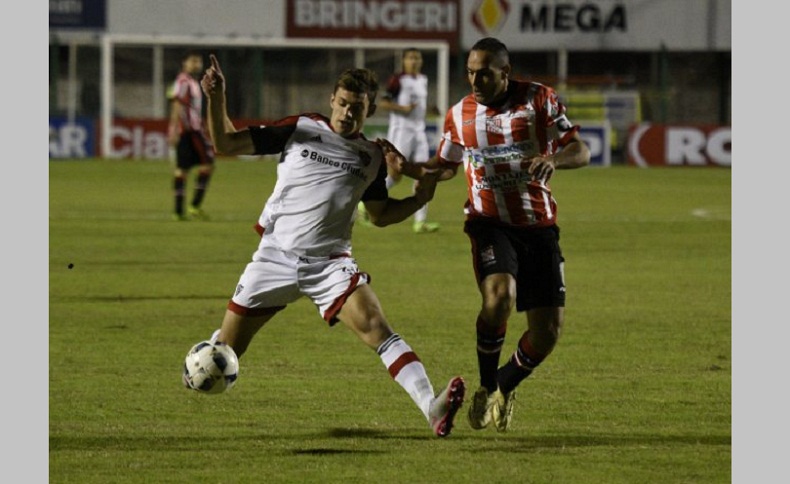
121, 81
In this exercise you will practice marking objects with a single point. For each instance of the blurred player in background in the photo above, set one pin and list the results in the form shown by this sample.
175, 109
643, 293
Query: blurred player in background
510, 136
326, 168
406, 99
189, 142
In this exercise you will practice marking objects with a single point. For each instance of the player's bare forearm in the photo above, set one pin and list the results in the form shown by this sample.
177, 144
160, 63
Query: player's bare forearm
575, 154
172, 127
226, 139
442, 171
413, 170
229, 127
418, 171
399, 108
446, 172
393, 211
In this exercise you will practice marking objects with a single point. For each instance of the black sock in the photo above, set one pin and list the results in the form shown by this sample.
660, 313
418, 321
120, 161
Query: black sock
511, 374
520, 365
178, 189
200, 189
489, 347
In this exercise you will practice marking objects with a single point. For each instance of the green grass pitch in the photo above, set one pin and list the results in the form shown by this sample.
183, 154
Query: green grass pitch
638, 389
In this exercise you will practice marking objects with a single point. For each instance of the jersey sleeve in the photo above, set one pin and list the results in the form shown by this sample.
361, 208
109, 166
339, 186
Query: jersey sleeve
377, 191
393, 88
450, 151
179, 91
559, 127
271, 139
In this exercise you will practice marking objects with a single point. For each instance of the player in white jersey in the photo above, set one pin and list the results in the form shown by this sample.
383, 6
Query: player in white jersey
189, 143
510, 136
326, 168
406, 99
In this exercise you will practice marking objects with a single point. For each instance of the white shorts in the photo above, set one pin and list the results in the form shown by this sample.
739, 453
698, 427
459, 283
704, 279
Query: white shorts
412, 144
279, 278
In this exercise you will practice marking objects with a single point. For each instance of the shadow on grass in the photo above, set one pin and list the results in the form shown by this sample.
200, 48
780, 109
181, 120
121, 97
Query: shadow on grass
347, 437
122, 298
526, 444
325, 451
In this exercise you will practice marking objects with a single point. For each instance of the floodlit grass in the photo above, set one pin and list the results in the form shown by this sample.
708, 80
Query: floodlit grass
637, 391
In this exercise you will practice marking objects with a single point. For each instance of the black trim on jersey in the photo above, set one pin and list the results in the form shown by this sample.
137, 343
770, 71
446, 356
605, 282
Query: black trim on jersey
377, 191
272, 138
269, 140
393, 88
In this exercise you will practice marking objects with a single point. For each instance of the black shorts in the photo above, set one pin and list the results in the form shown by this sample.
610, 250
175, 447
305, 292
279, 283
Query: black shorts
531, 255
193, 150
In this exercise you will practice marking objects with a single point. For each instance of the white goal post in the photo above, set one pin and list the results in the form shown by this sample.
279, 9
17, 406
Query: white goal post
110, 41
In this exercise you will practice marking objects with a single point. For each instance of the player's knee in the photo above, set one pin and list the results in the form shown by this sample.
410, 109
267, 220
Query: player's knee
498, 299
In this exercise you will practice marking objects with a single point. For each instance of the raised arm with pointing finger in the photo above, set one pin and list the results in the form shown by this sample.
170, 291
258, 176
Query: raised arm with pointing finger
227, 140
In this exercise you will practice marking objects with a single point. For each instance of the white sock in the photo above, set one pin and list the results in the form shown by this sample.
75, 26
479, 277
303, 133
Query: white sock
390, 182
406, 369
421, 215
214, 336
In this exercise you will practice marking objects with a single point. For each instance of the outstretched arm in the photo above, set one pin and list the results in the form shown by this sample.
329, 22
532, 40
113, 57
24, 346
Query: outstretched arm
392, 211
227, 140
397, 162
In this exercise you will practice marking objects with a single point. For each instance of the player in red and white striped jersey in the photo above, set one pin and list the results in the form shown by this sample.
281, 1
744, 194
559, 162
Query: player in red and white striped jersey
326, 168
188, 139
510, 136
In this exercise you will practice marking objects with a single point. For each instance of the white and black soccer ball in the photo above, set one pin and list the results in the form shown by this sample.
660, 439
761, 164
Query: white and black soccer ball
210, 367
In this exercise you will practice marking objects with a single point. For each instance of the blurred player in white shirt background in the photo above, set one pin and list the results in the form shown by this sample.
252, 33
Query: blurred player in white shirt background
406, 100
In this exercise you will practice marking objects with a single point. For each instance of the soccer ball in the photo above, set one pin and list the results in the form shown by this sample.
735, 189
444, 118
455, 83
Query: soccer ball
210, 367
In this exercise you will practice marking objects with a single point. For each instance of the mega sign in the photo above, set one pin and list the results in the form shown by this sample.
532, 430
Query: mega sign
598, 24
665, 145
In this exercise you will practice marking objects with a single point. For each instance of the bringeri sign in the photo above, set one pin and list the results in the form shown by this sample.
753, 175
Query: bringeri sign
374, 19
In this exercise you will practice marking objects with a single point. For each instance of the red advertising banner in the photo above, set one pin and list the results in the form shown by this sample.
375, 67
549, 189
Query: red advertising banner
679, 145
374, 19
139, 138
147, 138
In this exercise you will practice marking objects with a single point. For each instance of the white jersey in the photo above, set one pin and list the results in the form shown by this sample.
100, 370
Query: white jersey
321, 177
407, 89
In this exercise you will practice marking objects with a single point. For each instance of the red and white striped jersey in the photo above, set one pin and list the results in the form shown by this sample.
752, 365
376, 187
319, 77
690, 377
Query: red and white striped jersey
493, 142
186, 90
321, 178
